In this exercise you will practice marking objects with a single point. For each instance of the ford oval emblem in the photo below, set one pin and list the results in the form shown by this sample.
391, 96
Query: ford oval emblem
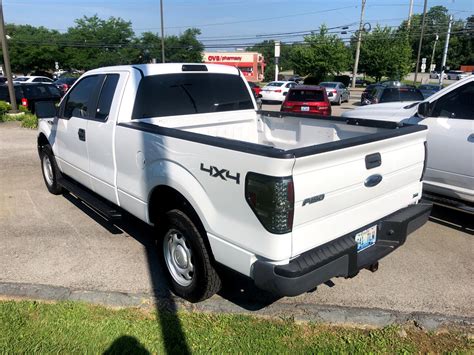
373, 180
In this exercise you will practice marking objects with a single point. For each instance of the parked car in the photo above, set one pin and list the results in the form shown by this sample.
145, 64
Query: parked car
449, 116
456, 75
383, 94
391, 82
63, 84
296, 78
32, 79
360, 81
436, 74
255, 87
429, 89
285, 200
276, 90
307, 99
364, 97
27, 94
337, 92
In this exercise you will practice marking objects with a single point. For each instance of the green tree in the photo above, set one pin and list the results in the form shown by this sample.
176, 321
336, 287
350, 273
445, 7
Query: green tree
385, 53
26, 55
94, 42
320, 55
267, 49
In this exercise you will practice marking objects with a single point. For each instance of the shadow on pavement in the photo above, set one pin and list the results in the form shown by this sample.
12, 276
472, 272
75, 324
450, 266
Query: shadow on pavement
173, 335
452, 218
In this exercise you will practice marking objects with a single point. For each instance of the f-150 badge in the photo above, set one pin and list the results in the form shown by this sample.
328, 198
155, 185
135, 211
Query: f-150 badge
224, 174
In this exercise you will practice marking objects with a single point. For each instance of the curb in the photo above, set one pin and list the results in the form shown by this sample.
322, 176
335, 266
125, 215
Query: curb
337, 315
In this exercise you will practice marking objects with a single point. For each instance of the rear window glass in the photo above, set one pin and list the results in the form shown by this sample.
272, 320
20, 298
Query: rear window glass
190, 93
401, 94
40, 91
306, 95
275, 84
328, 85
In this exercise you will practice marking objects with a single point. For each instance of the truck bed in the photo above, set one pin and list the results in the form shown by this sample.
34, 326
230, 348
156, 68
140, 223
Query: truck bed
284, 132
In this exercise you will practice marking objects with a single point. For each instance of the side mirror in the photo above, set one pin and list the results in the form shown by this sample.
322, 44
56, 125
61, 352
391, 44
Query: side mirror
424, 109
45, 109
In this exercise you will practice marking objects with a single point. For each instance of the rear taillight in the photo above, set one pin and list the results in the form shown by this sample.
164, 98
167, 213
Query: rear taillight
272, 200
24, 102
277, 90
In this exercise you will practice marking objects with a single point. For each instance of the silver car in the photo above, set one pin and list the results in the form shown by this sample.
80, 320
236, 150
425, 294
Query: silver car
337, 92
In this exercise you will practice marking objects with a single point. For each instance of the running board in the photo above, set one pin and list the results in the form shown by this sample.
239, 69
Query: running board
102, 206
449, 202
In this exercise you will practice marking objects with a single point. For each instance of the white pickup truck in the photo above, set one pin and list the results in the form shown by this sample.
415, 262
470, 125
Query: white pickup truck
290, 201
449, 116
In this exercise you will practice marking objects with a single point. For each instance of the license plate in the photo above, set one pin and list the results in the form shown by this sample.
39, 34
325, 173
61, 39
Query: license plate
304, 108
366, 238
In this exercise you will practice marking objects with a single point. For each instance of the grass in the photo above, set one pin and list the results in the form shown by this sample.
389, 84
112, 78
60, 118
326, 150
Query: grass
67, 327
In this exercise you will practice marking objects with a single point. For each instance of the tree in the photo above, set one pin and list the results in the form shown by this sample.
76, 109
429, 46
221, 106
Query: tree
94, 42
267, 49
25, 53
320, 55
385, 52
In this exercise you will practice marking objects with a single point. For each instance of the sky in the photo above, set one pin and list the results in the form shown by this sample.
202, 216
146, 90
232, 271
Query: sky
224, 22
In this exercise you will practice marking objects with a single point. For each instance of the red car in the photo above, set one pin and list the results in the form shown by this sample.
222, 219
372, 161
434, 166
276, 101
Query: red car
307, 99
255, 88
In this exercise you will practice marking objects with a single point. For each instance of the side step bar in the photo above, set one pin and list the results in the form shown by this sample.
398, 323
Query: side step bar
106, 208
449, 202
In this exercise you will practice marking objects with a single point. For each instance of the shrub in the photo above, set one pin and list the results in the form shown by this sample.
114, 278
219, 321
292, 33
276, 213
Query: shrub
4, 107
29, 121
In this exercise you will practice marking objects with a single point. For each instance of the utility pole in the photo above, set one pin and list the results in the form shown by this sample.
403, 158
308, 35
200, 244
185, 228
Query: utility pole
359, 38
433, 53
421, 41
277, 58
410, 14
162, 33
445, 52
6, 62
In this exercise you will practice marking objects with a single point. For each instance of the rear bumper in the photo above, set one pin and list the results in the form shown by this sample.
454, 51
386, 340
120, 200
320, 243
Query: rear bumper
339, 257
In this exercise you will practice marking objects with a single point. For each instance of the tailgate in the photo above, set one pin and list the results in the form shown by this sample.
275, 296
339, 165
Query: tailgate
337, 192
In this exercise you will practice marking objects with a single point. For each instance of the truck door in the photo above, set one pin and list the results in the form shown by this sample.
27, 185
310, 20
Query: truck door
101, 133
451, 141
71, 137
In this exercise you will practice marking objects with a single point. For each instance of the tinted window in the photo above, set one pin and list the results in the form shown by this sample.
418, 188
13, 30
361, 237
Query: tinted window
306, 95
184, 94
275, 83
106, 96
79, 99
401, 94
328, 85
456, 104
40, 91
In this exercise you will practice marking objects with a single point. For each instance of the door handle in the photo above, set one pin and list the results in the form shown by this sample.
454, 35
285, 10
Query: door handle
81, 133
471, 138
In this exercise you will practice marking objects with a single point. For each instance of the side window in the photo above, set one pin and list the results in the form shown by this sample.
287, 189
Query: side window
80, 98
106, 96
456, 104
38, 80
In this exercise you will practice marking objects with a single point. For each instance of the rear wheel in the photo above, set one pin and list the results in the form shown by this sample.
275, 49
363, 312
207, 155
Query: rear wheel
186, 260
339, 101
49, 170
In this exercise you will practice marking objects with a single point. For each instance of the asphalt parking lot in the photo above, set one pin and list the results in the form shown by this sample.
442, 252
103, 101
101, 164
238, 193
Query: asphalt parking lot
58, 241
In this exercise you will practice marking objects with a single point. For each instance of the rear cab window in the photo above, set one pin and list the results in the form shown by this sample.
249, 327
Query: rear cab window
400, 94
190, 93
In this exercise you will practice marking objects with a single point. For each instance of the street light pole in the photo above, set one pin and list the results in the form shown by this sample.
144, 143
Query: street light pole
162, 33
445, 52
410, 14
6, 62
433, 53
356, 61
421, 41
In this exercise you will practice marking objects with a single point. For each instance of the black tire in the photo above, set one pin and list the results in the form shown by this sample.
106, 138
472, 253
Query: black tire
50, 170
204, 281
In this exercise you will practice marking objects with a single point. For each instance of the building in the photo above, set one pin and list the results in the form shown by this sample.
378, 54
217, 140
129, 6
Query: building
251, 64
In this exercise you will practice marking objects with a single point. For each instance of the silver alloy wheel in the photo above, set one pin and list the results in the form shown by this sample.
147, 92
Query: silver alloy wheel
48, 170
178, 257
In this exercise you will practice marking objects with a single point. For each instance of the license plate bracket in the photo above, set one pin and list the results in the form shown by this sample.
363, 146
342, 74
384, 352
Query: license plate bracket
304, 108
366, 238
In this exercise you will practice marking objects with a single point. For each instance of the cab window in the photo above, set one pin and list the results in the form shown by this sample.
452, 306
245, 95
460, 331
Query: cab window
456, 104
80, 98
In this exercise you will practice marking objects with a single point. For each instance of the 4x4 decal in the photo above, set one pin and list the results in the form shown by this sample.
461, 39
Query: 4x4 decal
224, 174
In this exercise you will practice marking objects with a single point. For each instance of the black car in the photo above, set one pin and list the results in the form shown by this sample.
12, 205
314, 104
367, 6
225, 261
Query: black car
429, 89
27, 94
383, 94
367, 92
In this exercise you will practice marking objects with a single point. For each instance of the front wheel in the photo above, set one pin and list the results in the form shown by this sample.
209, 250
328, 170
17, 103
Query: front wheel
187, 262
49, 170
